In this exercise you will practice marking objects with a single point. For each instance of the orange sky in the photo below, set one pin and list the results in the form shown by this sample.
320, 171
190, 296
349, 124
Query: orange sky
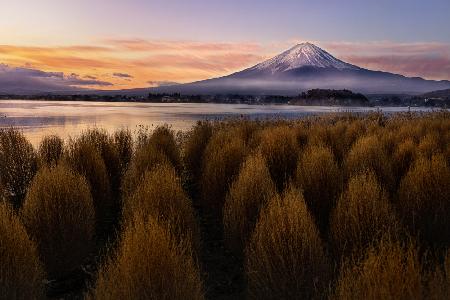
132, 63
136, 63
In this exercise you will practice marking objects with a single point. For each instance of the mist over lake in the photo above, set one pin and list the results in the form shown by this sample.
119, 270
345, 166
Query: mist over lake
69, 118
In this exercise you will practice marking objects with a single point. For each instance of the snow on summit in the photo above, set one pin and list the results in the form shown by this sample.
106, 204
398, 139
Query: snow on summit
302, 55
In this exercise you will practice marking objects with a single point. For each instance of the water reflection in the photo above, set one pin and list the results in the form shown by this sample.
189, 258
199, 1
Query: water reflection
69, 118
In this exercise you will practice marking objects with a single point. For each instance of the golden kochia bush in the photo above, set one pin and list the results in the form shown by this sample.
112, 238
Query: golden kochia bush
51, 150
423, 200
18, 164
105, 145
429, 145
369, 153
146, 158
362, 215
279, 147
59, 215
149, 264
83, 157
161, 196
403, 157
319, 177
21, 273
248, 193
194, 147
123, 141
222, 159
389, 271
163, 139
285, 257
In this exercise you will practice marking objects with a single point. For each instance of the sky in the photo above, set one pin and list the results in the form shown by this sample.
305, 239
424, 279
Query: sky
111, 44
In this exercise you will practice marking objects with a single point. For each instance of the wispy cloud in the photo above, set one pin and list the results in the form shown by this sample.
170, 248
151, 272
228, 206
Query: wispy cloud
429, 60
142, 45
161, 83
122, 75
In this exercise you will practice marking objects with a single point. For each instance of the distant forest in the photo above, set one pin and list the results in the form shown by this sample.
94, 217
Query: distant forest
313, 97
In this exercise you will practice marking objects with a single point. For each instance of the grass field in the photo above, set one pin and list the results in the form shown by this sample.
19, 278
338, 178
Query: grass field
339, 206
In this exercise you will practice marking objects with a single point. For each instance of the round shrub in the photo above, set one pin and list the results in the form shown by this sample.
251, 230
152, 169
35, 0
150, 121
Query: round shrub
402, 159
146, 158
149, 264
59, 215
362, 215
163, 139
123, 141
85, 159
280, 149
368, 153
21, 273
389, 271
51, 150
194, 148
161, 196
423, 200
104, 144
320, 179
222, 159
285, 257
429, 145
18, 164
248, 193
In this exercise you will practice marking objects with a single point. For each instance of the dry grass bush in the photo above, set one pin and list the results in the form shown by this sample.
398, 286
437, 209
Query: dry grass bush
83, 157
161, 196
51, 149
362, 215
248, 193
280, 148
123, 141
429, 145
59, 215
18, 165
369, 153
389, 271
21, 273
149, 264
194, 148
285, 257
439, 281
404, 155
331, 136
106, 147
423, 200
163, 139
319, 177
221, 163
146, 158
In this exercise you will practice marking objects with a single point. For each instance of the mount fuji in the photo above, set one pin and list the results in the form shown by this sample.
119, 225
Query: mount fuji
304, 67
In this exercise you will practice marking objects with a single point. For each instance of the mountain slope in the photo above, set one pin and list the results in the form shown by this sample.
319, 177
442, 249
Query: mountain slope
304, 67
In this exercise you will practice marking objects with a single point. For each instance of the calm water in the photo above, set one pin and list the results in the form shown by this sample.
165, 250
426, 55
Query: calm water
39, 118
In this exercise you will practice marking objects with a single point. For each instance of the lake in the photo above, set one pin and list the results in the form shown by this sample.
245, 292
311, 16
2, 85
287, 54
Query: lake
68, 118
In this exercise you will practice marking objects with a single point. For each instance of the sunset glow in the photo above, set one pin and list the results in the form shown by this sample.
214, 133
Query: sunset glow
163, 43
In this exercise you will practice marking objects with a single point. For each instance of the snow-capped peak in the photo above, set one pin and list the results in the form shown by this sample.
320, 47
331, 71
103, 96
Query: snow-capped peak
301, 55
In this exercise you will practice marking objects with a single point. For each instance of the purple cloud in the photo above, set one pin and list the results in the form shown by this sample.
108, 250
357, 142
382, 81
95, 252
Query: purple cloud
161, 83
122, 75
25, 80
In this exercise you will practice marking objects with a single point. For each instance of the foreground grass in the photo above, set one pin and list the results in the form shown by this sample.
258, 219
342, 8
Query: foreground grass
340, 206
